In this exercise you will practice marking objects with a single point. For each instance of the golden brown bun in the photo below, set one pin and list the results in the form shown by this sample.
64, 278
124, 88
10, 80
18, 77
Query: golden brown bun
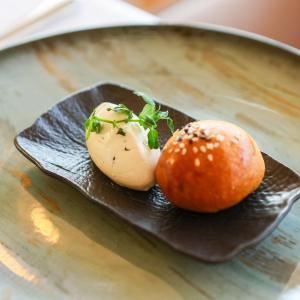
209, 165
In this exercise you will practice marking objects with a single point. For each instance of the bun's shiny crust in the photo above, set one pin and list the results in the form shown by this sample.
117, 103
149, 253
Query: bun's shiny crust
209, 166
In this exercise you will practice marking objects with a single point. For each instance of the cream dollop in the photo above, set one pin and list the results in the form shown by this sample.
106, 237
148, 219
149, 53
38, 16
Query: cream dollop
127, 160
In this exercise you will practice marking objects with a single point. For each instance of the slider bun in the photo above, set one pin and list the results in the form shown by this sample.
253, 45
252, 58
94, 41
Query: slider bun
209, 165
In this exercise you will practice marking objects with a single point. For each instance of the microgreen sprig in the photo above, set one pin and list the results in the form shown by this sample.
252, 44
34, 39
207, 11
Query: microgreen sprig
147, 118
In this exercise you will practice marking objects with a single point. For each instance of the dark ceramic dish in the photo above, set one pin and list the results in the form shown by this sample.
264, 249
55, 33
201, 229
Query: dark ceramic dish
56, 144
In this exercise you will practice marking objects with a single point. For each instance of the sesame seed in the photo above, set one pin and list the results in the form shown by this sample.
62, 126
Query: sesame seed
195, 139
220, 138
203, 149
171, 161
216, 145
195, 149
204, 137
206, 131
235, 140
197, 162
171, 150
210, 157
177, 150
183, 152
210, 146
181, 145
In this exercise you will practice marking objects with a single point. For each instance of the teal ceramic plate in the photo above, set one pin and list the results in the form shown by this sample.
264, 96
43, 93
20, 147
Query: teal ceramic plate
57, 245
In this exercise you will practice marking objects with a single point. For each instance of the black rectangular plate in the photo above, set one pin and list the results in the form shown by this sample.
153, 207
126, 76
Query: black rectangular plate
56, 144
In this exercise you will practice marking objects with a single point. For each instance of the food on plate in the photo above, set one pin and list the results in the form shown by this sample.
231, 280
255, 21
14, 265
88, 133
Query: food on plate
125, 146
209, 165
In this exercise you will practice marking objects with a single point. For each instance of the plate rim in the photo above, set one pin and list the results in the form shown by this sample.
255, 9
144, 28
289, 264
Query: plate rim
237, 250
227, 30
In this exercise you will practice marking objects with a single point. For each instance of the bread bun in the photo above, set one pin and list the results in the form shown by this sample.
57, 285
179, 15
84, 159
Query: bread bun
209, 166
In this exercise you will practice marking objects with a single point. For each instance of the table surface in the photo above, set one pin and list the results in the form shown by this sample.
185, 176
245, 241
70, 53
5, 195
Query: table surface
54, 244
78, 15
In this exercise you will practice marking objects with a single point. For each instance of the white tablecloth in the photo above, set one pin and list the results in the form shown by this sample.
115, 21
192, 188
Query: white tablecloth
80, 14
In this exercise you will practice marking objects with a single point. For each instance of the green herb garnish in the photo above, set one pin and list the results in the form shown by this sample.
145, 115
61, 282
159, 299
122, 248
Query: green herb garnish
147, 118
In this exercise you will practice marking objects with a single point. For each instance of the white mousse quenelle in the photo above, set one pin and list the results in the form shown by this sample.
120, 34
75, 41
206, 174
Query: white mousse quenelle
125, 157
124, 146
